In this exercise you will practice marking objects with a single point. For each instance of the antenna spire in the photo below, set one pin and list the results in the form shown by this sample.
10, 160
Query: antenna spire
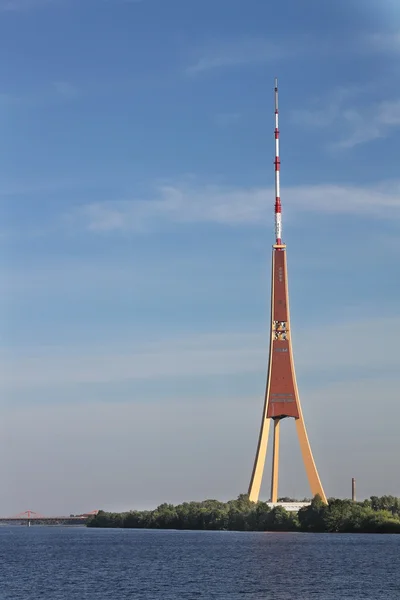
278, 208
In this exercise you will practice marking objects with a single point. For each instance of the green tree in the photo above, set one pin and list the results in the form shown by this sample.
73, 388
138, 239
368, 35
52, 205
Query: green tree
311, 518
376, 515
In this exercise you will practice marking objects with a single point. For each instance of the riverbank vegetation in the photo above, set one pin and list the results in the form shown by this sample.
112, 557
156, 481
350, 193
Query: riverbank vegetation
376, 515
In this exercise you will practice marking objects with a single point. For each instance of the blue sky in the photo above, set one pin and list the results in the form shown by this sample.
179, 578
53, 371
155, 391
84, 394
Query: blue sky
136, 195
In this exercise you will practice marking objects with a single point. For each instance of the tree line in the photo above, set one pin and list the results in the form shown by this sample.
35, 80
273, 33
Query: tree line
376, 515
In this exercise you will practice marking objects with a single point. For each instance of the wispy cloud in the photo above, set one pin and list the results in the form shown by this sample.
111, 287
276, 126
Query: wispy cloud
243, 51
8, 189
324, 112
233, 206
387, 42
370, 124
233, 53
208, 354
50, 92
359, 124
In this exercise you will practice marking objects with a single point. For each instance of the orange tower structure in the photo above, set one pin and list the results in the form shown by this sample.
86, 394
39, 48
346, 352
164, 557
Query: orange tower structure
282, 395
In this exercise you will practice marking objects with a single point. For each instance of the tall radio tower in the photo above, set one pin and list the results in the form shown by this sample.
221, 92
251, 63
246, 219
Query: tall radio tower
282, 395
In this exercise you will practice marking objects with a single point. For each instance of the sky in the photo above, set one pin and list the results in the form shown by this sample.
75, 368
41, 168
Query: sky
136, 225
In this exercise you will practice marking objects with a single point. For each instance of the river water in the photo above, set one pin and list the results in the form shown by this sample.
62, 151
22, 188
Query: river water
67, 563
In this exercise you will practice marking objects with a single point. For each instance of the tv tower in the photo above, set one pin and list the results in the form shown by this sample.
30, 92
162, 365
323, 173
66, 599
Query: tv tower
282, 396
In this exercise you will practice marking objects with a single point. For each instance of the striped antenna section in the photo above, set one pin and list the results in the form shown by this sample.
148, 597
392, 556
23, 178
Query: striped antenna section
278, 208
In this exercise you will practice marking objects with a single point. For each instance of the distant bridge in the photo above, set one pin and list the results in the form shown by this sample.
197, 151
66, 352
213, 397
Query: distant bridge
30, 516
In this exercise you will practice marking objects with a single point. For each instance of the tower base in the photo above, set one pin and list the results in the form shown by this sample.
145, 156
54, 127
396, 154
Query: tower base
282, 395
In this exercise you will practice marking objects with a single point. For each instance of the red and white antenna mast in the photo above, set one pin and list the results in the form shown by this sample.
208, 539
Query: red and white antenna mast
278, 208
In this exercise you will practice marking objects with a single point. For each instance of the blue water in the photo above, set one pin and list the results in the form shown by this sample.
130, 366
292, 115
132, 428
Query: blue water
53, 563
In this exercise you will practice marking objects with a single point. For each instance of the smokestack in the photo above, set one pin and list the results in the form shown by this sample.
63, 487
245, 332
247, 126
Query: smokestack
353, 489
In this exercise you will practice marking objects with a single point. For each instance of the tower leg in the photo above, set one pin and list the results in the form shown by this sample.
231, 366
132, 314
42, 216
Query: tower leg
311, 469
275, 462
258, 469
